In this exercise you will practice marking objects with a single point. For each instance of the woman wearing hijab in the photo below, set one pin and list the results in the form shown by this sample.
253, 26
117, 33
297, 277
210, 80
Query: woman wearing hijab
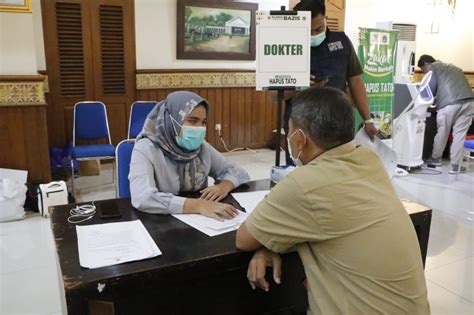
171, 157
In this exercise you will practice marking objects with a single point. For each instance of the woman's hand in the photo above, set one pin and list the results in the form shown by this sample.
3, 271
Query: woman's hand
217, 192
211, 209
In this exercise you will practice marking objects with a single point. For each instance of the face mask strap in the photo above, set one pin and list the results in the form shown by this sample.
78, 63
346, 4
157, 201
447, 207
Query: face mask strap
174, 127
288, 139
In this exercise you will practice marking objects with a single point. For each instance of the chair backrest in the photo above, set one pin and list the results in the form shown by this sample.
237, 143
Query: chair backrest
469, 145
421, 92
425, 91
123, 155
90, 122
138, 113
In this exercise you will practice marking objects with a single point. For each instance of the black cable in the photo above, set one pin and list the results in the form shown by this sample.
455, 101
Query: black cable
431, 170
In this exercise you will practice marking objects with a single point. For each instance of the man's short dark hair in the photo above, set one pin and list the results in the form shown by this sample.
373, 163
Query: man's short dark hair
425, 59
315, 6
325, 115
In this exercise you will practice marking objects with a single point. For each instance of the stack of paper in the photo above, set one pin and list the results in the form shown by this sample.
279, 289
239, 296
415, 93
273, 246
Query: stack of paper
386, 154
250, 200
110, 244
210, 226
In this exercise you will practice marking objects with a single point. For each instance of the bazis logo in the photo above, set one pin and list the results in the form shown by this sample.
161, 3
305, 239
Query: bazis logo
291, 18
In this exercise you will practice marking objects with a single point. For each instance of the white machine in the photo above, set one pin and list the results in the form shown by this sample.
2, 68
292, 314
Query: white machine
405, 66
409, 127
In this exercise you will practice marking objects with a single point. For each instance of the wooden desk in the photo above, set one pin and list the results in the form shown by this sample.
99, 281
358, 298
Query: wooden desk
196, 274
421, 218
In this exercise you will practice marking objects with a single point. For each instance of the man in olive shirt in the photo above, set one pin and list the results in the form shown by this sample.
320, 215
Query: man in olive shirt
340, 212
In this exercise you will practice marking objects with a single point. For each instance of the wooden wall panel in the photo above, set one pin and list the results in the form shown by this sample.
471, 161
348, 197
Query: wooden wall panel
13, 153
226, 127
24, 141
233, 117
211, 98
118, 121
247, 116
56, 123
262, 112
67, 119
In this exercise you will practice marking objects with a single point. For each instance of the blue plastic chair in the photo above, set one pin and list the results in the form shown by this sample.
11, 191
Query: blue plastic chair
123, 155
138, 113
90, 123
469, 145
468, 149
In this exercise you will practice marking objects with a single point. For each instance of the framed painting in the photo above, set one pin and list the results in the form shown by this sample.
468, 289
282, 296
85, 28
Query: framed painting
215, 30
22, 6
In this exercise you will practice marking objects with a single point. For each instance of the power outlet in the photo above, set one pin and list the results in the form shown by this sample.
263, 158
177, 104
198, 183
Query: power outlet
218, 127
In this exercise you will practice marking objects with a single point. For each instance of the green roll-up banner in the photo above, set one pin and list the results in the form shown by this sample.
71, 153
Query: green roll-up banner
377, 55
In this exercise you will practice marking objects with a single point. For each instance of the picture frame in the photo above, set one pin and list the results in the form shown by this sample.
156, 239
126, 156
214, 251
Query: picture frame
18, 6
215, 30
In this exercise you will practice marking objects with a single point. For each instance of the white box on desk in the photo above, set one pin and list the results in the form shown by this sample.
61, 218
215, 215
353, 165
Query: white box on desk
52, 194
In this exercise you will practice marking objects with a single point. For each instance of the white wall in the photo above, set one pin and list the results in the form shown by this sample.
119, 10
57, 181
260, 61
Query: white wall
454, 43
17, 44
38, 30
155, 32
22, 45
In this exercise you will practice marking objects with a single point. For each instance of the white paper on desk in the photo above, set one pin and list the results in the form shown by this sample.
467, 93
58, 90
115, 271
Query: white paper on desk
386, 154
16, 175
210, 226
250, 200
110, 244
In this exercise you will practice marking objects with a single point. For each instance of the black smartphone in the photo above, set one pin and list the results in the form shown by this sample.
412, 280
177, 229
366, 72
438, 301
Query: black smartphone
109, 209
318, 78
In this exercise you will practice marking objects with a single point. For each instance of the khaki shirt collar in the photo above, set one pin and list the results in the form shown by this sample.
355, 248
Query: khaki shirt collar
337, 151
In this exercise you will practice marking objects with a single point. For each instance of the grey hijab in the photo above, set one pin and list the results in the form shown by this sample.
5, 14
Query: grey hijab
160, 129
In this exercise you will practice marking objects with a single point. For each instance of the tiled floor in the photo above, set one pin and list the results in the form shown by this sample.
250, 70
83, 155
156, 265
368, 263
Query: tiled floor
29, 276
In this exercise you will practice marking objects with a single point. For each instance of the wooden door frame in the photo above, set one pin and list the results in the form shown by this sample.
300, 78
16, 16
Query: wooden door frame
56, 109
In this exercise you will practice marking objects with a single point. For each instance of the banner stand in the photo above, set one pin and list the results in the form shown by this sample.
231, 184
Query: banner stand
281, 94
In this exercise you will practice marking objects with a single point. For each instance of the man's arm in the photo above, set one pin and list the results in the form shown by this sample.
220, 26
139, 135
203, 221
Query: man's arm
244, 241
357, 88
262, 259
433, 84
278, 223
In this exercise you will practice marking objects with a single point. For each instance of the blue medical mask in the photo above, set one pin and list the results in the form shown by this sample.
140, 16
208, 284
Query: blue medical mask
191, 137
316, 40
296, 160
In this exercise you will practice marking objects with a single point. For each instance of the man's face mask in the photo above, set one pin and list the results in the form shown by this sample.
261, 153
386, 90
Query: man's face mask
296, 160
316, 40
191, 137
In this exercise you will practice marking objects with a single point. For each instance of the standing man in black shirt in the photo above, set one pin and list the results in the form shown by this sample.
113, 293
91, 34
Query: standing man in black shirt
333, 63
